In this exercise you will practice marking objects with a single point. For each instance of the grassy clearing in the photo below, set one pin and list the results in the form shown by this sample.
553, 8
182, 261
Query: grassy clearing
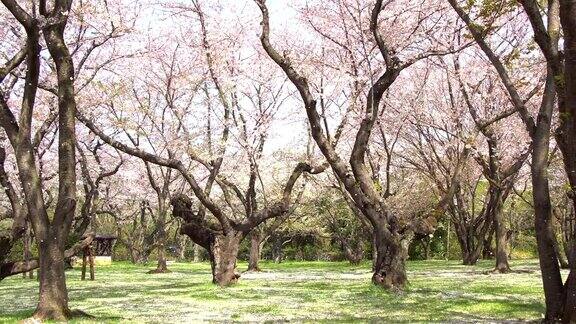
295, 291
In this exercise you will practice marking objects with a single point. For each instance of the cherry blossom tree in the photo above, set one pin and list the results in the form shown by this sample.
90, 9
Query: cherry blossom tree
220, 222
546, 27
50, 235
389, 230
52, 71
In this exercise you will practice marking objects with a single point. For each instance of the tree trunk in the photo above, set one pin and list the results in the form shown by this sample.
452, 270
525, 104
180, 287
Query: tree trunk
353, 251
139, 257
374, 253
222, 245
426, 243
568, 228
255, 252
53, 300
469, 258
50, 232
277, 248
183, 242
487, 251
470, 252
197, 253
27, 240
51, 236
568, 135
160, 223
223, 255
161, 267
447, 254
564, 264
466, 242
551, 278
390, 270
502, 251
133, 255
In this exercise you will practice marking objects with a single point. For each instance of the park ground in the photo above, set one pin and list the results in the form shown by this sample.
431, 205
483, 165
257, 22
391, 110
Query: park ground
439, 291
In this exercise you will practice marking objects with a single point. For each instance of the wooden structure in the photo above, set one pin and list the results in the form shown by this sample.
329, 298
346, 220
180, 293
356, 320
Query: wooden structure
100, 246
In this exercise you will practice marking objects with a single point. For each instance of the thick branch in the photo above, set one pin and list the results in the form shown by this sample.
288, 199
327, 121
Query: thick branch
479, 36
14, 268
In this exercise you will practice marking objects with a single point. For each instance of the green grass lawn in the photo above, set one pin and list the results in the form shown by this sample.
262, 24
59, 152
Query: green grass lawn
294, 291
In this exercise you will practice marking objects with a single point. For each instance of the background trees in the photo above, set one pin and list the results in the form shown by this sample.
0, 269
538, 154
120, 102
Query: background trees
559, 303
416, 114
166, 109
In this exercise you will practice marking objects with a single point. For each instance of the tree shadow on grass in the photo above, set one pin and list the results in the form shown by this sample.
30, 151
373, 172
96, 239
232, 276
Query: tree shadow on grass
314, 292
80, 294
79, 316
438, 305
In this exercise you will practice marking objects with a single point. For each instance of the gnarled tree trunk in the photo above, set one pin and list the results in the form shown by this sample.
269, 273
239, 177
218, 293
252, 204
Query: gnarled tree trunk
222, 247
354, 253
223, 254
389, 268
